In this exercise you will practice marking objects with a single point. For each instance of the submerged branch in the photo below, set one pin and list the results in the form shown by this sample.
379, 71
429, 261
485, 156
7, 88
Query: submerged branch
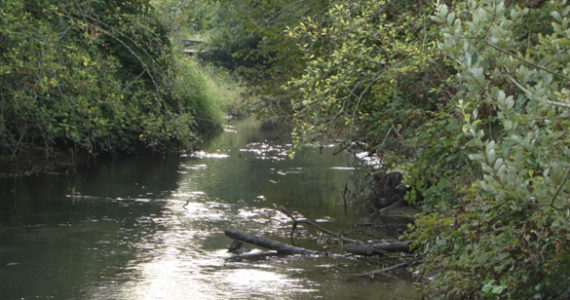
391, 268
281, 248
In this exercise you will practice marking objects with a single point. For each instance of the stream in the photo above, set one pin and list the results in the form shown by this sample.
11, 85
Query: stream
144, 228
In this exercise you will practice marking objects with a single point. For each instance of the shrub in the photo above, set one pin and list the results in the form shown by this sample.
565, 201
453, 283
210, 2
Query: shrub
509, 237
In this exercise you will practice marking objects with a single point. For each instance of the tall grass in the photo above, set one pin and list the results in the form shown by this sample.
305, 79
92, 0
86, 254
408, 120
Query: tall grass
209, 92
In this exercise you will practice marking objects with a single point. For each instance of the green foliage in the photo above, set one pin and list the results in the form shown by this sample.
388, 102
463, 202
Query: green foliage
374, 73
363, 58
440, 170
509, 238
185, 18
473, 98
208, 90
247, 38
91, 75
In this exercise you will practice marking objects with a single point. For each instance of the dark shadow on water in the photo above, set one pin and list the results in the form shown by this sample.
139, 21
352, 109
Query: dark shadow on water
57, 245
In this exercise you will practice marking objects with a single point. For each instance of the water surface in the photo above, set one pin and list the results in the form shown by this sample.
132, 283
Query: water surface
145, 228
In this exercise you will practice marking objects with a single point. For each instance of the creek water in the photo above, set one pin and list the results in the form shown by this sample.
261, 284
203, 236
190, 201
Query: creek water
146, 228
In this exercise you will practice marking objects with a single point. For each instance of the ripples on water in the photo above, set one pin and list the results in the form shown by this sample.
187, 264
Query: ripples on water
150, 230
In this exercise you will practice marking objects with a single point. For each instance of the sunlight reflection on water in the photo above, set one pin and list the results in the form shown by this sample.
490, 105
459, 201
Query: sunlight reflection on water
136, 229
194, 263
202, 154
182, 269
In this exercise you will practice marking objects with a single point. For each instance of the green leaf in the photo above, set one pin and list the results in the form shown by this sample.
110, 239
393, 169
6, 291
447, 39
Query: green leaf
556, 16
474, 57
488, 286
498, 289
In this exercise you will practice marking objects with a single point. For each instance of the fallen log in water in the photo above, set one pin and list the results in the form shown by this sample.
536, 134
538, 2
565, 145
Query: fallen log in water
269, 244
363, 250
358, 249
351, 245
381, 248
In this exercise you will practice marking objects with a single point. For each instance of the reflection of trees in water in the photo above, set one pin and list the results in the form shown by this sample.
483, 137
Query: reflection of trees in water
65, 245
148, 177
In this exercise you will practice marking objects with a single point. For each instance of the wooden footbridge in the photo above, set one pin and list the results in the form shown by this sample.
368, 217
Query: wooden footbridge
190, 46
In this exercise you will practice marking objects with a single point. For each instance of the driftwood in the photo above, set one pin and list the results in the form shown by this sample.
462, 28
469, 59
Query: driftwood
351, 245
363, 250
281, 248
359, 249
354, 247
378, 248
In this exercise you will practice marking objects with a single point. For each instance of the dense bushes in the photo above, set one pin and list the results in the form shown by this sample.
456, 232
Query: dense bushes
368, 63
469, 97
94, 76
508, 236
474, 102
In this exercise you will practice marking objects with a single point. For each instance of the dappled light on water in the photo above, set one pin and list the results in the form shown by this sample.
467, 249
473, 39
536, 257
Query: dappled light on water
264, 150
262, 283
202, 154
141, 229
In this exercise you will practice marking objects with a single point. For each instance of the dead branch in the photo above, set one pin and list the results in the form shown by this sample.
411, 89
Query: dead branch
391, 268
364, 250
281, 248
350, 245
396, 204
